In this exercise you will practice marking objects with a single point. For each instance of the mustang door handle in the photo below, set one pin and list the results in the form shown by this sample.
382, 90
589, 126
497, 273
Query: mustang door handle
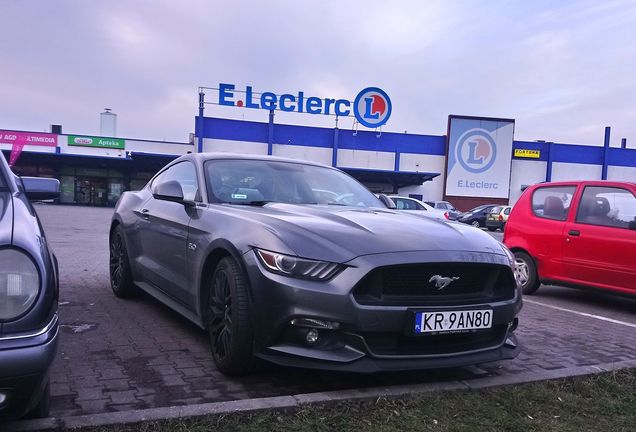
574, 233
145, 213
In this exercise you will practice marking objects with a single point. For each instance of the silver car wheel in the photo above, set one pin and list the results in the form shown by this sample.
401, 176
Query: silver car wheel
475, 224
522, 272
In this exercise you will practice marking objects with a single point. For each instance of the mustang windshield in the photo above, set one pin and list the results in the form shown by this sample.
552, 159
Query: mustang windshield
257, 182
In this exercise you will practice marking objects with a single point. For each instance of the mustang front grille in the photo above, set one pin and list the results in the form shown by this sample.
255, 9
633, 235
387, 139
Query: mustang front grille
436, 284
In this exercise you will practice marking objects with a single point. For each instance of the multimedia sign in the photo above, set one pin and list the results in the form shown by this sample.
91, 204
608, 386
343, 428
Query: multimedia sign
479, 157
371, 107
21, 139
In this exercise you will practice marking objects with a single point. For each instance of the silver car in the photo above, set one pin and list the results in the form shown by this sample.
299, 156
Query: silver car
418, 207
299, 264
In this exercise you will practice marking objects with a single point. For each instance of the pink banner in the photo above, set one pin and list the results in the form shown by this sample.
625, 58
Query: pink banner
20, 139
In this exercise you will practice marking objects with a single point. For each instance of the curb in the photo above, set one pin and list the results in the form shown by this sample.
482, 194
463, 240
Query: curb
299, 400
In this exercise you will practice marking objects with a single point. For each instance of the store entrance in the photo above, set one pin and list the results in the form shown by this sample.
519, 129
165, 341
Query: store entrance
91, 191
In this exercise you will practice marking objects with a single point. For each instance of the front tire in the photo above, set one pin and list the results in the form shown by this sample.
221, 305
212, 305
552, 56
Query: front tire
230, 322
526, 272
491, 229
120, 275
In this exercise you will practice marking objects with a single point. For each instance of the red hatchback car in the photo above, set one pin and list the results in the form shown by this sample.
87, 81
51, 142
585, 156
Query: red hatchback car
579, 233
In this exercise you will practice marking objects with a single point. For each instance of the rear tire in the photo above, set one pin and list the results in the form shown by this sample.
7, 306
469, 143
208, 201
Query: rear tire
120, 275
526, 272
230, 322
475, 224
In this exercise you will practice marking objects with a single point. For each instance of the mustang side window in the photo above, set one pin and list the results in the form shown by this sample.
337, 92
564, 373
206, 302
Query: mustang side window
607, 206
185, 174
552, 202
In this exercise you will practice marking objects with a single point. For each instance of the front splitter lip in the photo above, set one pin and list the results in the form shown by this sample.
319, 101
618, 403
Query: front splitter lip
365, 363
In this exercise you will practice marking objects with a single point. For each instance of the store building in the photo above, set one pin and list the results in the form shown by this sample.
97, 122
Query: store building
476, 161
92, 170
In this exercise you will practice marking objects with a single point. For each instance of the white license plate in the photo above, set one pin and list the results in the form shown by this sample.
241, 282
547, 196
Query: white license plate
431, 322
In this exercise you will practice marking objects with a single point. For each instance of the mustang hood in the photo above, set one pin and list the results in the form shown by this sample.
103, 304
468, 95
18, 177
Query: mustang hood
340, 234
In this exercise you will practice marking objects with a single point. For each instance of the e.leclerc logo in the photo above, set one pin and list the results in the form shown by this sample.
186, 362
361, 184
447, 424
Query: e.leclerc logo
372, 106
476, 150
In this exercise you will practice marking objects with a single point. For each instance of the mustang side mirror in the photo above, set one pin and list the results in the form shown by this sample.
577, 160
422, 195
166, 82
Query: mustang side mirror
388, 202
40, 189
169, 191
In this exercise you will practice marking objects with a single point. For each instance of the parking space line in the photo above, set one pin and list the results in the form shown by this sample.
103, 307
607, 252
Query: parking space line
598, 317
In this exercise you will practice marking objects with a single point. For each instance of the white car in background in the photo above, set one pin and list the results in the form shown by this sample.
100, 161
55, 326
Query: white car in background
419, 207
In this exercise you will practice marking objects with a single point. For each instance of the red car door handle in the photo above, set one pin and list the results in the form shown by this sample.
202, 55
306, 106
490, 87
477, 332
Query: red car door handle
574, 233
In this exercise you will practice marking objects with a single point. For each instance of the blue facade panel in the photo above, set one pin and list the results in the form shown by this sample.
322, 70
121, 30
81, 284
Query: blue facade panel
622, 157
571, 153
303, 136
392, 142
240, 130
235, 130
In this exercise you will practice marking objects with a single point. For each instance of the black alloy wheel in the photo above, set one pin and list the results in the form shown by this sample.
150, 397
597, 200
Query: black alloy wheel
230, 323
221, 312
120, 276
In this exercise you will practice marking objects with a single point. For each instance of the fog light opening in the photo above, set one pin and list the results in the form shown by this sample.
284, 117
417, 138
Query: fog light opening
315, 323
514, 324
312, 336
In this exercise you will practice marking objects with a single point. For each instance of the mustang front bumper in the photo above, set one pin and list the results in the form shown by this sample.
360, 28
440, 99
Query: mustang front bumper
368, 338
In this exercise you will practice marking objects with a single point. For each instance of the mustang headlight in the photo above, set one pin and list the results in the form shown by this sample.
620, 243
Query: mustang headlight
293, 266
19, 283
509, 254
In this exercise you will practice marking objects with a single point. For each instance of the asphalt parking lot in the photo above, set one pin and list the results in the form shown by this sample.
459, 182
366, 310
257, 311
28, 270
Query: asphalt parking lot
131, 354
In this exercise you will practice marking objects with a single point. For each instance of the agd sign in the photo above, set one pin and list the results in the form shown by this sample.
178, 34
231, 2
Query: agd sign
479, 157
371, 107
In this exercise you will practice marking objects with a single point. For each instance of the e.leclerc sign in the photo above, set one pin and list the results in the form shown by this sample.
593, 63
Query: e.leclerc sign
371, 107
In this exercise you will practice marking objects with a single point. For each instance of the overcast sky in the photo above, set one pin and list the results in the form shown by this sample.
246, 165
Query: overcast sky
563, 70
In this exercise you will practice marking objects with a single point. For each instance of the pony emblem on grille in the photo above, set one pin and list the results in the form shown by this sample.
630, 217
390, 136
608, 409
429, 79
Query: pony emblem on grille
442, 282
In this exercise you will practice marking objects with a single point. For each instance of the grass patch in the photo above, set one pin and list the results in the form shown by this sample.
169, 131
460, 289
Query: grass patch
604, 402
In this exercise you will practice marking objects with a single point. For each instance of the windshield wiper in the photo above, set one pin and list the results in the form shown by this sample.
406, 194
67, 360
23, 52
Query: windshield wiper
326, 203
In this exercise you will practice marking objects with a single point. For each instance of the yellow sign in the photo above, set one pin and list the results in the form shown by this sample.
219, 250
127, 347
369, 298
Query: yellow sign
527, 153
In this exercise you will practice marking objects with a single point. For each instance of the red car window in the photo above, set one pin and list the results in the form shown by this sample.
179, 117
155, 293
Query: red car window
606, 206
552, 202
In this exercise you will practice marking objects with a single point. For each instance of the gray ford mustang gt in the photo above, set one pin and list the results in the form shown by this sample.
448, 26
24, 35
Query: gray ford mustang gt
299, 264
